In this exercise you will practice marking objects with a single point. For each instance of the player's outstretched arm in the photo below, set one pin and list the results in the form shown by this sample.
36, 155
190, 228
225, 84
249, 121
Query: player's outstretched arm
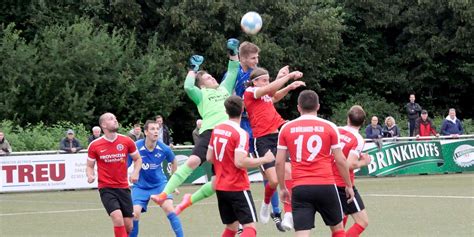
277, 84
283, 92
355, 163
193, 92
242, 161
233, 66
343, 168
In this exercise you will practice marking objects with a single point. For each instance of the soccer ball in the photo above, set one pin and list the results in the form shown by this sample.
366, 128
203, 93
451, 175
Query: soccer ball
251, 23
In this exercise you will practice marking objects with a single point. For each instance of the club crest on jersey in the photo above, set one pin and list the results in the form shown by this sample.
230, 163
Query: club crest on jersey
119, 147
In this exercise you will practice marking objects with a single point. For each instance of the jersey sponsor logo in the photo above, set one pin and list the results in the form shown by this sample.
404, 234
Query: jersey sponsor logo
145, 166
111, 158
120, 147
464, 156
301, 129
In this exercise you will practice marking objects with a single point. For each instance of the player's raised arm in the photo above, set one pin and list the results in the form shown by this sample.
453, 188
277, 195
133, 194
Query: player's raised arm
275, 85
193, 92
233, 66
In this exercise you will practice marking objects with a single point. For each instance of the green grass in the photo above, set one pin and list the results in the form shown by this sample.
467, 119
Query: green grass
435, 205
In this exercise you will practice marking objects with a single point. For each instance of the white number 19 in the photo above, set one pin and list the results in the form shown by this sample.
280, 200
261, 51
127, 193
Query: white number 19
314, 150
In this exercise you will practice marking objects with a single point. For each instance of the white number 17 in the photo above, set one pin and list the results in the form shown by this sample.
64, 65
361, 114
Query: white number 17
223, 141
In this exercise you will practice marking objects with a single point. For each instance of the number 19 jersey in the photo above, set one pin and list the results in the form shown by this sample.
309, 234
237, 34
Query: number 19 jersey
309, 141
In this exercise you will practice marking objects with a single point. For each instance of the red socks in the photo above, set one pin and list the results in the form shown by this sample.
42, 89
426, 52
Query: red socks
339, 233
355, 230
120, 231
289, 186
228, 233
344, 220
268, 193
249, 232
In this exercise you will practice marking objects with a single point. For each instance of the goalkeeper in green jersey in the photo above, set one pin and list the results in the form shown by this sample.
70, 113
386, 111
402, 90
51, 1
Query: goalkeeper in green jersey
203, 89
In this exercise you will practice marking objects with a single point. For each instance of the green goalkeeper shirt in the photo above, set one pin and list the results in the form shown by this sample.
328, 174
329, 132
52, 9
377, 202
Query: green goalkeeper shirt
210, 102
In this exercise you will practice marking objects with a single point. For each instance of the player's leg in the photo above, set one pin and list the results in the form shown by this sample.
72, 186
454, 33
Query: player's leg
263, 145
111, 203
140, 199
137, 209
330, 208
357, 210
287, 221
173, 218
228, 217
205, 191
303, 204
197, 158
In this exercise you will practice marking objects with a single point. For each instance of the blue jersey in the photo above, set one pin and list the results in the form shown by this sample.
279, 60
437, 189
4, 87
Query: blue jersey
151, 174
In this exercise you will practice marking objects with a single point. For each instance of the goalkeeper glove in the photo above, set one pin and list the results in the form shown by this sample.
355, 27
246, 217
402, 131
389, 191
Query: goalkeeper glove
233, 46
195, 61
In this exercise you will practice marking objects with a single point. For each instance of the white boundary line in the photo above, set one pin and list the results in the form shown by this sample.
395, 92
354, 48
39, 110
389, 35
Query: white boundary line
417, 196
215, 203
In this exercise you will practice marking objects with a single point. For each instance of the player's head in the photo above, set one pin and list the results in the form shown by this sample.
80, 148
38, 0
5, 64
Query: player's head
259, 77
151, 130
108, 122
206, 80
308, 102
234, 106
248, 55
356, 116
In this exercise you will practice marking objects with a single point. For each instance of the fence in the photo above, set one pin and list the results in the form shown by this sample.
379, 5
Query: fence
55, 170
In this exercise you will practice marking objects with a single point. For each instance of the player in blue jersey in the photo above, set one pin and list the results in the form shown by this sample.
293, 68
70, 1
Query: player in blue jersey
152, 179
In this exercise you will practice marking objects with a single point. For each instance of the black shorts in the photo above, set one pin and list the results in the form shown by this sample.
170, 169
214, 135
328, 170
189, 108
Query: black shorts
200, 149
117, 199
306, 200
263, 144
236, 206
355, 206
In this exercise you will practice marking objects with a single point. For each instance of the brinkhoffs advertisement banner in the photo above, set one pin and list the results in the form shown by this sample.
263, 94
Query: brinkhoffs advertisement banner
419, 157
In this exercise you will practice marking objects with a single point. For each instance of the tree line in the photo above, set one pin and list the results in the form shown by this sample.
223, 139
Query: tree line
74, 60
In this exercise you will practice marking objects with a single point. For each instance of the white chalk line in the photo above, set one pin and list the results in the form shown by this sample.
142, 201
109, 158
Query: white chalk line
256, 201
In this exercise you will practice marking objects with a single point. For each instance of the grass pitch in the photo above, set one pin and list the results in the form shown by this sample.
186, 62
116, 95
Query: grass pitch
434, 205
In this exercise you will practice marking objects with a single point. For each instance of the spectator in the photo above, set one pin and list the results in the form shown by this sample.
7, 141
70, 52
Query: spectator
196, 131
136, 133
70, 144
373, 130
452, 125
413, 110
95, 134
424, 127
390, 129
164, 133
5, 147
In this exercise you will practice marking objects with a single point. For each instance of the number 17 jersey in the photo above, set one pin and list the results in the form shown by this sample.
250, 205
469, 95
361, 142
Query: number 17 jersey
309, 140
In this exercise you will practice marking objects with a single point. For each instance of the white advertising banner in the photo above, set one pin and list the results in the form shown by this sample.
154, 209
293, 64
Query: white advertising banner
42, 172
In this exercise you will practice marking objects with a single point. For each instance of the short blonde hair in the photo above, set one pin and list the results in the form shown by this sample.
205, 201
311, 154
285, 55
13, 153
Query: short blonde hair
390, 118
